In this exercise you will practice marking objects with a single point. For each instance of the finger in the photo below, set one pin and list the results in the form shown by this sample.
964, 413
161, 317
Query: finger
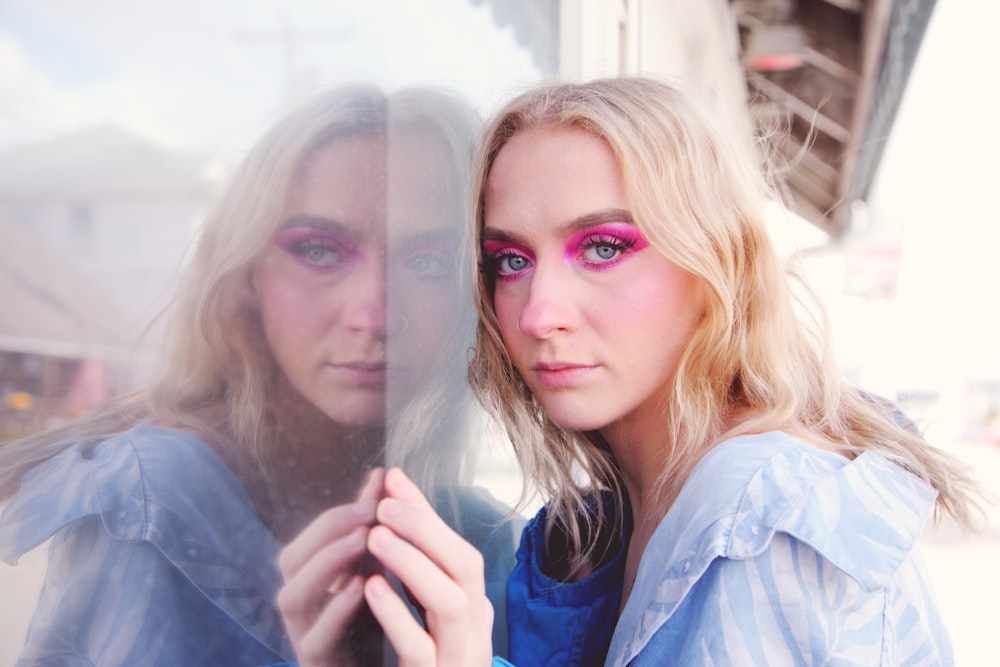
407, 511
427, 582
454, 612
442, 572
412, 644
398, 485
328, 527
304, 595
321, 643
422, 526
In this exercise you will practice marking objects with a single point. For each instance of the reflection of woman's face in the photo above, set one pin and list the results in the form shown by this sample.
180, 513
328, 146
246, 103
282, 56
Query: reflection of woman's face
356, 290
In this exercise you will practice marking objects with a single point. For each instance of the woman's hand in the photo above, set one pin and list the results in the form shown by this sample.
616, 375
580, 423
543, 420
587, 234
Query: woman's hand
322, 589
442, 573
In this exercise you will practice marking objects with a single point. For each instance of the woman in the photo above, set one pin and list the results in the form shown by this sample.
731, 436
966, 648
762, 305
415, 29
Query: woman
317, 335
717, 494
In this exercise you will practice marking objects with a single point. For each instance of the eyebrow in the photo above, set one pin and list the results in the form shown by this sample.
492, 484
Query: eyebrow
317, 221
585, 221
438, 235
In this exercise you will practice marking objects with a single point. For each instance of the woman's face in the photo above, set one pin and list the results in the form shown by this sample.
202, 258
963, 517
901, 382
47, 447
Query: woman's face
594, 319
356, 290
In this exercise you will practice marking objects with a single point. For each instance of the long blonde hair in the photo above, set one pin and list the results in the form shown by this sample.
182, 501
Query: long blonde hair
698, 197
215, 369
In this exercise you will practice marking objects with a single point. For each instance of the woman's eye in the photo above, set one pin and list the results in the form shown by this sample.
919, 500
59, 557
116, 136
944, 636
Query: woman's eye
318, 248
318, 254
426, 260
603, 252
428, 265
603, 249
505, 260
508, 264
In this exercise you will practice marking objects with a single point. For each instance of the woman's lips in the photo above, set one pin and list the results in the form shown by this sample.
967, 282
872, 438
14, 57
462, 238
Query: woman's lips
366, 374
560, 375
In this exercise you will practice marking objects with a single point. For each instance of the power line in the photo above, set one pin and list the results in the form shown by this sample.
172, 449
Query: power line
289, 39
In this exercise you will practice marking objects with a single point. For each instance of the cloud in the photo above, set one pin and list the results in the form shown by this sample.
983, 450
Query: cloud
32, 107
212, 75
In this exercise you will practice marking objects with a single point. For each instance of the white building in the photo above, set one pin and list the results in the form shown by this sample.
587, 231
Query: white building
119, 209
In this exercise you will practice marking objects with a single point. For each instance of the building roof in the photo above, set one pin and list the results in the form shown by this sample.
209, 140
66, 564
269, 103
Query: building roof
831, 118
49, 308
99, 162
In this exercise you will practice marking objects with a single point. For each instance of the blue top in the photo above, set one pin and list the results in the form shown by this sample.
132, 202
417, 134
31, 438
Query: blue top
158, 556
774, 553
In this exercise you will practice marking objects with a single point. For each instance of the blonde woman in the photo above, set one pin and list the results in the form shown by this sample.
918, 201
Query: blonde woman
322, 313
717, 494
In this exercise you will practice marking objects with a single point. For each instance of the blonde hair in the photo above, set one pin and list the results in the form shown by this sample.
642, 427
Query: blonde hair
698, 197
216, 369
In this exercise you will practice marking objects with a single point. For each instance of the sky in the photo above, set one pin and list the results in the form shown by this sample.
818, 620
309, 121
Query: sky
199, 75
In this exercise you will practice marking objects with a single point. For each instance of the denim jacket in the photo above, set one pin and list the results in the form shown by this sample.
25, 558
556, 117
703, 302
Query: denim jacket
158, 556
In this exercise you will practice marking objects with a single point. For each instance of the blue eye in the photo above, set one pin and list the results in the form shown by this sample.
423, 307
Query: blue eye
606, 251
603, 249
320, 248
505, 260
426, 259
428, 265
511, 263
318, 254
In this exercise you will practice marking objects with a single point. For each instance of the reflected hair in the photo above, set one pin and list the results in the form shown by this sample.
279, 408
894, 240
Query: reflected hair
698, 196
216, 370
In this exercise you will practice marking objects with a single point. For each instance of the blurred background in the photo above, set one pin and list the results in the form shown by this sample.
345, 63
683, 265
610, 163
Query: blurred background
120, 119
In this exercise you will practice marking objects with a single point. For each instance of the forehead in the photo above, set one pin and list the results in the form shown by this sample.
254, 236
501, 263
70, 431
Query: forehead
406, 180
551, 175
376, 159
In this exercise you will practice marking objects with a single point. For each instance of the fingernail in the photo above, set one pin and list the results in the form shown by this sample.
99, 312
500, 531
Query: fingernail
389, 508
379, 539
398, 479
376, 587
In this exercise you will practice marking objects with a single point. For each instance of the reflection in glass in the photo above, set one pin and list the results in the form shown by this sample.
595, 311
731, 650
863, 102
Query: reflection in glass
320, 329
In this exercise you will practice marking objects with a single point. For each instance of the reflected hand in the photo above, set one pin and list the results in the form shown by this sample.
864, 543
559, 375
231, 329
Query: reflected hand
322, 589
442, 573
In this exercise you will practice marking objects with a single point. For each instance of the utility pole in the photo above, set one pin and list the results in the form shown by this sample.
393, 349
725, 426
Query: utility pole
289, 39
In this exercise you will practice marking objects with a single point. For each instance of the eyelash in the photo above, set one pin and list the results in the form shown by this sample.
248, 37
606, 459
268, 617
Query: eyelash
621, 246
429, 264
336, 254
492, 263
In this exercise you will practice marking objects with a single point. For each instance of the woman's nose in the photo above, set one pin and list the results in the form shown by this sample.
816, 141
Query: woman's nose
550, 307
368, 309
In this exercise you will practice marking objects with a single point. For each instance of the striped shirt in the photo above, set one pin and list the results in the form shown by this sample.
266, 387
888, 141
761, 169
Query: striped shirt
774, 553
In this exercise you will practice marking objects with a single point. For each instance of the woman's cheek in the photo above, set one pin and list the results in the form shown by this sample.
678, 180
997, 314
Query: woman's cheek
431, 319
